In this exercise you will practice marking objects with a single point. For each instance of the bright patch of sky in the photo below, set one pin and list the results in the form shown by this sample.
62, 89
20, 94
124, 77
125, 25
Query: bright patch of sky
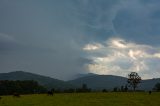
119, 57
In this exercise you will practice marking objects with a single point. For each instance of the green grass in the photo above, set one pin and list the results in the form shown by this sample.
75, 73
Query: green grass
84, 99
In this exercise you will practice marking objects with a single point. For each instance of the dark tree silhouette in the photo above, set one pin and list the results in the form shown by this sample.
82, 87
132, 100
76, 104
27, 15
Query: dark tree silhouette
157, 87
8, 87
50, 93
126, 88
16, 94
84, 86
134, 79
115, 89
83, 89
104, 90
122, 88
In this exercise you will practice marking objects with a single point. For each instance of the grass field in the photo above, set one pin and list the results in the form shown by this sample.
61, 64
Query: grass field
84, 99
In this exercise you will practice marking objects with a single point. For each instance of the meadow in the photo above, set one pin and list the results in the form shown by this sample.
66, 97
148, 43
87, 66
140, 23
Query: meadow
84, 99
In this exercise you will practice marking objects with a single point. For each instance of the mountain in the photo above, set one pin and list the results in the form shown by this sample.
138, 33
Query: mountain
149, 83
99, 82
82, 75
43, 80
93, 81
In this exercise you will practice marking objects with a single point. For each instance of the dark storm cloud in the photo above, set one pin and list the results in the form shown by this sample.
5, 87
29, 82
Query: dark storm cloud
6, 42
48, 36
138, 21
97, 17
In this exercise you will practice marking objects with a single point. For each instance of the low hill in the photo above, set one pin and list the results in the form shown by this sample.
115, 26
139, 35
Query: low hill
99, 82
149, 83
43, 80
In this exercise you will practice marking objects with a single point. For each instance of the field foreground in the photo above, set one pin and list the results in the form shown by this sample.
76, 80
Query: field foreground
84, 99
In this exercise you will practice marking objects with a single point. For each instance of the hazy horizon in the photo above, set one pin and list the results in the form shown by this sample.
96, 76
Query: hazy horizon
63, 38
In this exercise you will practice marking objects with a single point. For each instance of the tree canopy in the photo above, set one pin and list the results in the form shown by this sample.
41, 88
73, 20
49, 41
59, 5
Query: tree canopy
134, 79
8, 87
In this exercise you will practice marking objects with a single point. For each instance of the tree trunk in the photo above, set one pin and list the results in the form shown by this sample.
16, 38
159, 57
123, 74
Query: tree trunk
134, 88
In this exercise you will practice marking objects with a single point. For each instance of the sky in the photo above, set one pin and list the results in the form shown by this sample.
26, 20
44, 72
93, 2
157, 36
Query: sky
64, 38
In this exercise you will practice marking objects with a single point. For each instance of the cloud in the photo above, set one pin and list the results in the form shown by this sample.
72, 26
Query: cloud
4, 37
59, 39
138, 21
92, 46
132, 20
96, 17
119, 57
41, 37
7, 42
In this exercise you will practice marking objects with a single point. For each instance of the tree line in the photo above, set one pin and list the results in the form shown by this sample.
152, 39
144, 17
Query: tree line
8, 87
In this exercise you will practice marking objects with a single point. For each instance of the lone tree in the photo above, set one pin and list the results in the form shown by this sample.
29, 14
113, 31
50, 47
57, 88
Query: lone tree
134, 79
